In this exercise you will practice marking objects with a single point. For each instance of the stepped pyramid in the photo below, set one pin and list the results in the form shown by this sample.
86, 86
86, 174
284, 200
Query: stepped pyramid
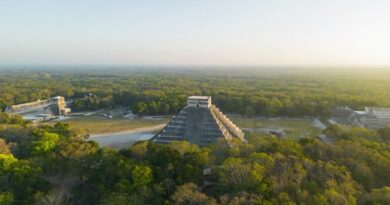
200, 123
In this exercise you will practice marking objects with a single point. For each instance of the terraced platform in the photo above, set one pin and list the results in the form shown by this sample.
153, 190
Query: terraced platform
200, 123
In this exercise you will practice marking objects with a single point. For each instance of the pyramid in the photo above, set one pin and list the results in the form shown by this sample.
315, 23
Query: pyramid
201, 123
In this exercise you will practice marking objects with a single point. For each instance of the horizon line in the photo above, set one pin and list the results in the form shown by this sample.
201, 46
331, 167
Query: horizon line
194, 66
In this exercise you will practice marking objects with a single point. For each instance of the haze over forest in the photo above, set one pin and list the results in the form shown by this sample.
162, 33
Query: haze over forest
350, 33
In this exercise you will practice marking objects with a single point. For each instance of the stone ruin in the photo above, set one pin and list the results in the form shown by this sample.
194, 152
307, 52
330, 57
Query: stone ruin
201, 123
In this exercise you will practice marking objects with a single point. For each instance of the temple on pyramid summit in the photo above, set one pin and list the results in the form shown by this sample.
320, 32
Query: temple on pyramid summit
201, 123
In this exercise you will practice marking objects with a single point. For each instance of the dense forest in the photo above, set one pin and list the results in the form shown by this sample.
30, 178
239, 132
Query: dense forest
57, 165
154, 92
41, 164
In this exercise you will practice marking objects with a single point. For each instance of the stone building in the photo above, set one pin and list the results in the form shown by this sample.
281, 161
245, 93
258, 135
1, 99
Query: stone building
58, 106
201, 123
25, 107
370, 117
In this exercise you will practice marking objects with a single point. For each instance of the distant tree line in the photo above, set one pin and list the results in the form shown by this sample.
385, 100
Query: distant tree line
161, 93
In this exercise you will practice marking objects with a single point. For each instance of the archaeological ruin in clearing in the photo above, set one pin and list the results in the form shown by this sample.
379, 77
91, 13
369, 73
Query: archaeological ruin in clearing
201, 123
370, 117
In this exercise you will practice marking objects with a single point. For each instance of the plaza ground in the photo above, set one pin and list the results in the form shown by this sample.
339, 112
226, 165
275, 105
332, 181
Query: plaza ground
101, 125
293, 128
120, 132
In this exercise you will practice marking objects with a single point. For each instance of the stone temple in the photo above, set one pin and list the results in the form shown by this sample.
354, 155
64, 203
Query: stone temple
200, 123
370, 117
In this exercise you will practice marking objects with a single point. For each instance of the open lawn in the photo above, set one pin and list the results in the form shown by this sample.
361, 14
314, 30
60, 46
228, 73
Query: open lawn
294, 128
99, 125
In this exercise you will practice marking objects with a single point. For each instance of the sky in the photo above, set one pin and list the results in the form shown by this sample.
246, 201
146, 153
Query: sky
195, 32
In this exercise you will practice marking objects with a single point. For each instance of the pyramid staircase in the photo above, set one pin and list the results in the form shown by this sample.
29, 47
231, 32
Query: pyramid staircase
200, 123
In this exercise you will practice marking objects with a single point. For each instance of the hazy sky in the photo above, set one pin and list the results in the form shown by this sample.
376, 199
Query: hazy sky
195, 32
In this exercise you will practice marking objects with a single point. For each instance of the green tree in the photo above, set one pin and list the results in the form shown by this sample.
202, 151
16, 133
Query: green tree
189, 194
122, 199
141, 176
46, 143
385, 133
6, 198
24, 180
4, 149
379, 196
6, 160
